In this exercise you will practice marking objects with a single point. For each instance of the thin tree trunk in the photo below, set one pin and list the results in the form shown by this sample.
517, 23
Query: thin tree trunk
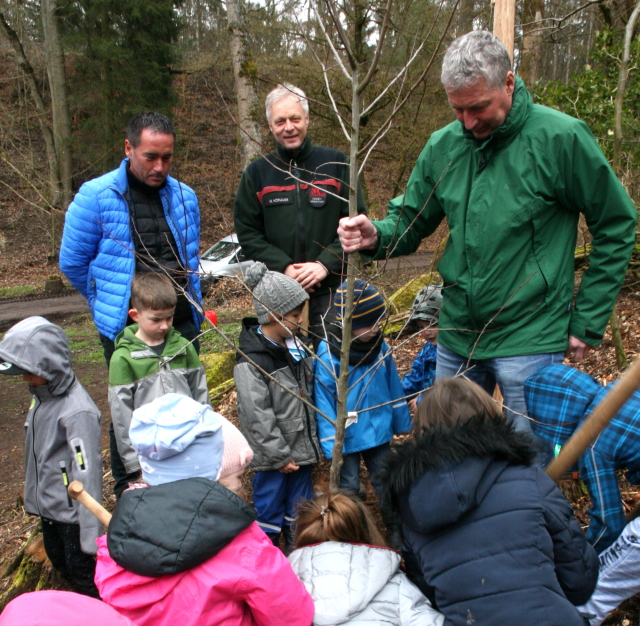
342, 386
504, 19
59, 99
621, 356
465, 17
530, 66
620, 92
250, 139
21, 58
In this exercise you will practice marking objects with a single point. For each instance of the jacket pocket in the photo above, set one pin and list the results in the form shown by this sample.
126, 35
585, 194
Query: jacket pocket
290, 425
514, 285
91, 288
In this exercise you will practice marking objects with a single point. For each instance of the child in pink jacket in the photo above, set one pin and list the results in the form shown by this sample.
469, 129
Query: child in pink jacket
186, 550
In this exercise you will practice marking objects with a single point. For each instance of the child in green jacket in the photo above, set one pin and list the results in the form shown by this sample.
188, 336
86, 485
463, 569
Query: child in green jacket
151, 360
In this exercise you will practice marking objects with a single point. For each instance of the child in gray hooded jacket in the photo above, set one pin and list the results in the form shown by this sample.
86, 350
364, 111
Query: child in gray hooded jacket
63, 443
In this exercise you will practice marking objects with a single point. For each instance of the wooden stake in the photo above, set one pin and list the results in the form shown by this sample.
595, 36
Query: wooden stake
504, 22
596, 422
77, 492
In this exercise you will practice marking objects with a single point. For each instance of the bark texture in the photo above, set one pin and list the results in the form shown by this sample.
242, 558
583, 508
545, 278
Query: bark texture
244, 70
59, 99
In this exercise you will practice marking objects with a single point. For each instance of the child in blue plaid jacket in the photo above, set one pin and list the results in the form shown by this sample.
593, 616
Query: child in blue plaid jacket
558, 399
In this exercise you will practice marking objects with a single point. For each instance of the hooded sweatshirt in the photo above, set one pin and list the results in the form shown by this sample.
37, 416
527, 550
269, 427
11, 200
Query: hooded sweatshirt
490, 539
210, 565
360, 584
62, 428
559, 398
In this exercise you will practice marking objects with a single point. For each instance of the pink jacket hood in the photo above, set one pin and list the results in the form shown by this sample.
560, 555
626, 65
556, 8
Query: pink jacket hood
247, 583
60, 608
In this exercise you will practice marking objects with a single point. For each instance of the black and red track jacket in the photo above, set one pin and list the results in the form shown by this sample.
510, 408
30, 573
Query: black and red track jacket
287, 209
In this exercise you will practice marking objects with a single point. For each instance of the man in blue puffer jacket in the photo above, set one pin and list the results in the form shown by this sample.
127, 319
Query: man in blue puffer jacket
134, 219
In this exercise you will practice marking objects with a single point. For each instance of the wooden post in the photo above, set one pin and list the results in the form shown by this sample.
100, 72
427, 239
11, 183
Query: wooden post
504, 22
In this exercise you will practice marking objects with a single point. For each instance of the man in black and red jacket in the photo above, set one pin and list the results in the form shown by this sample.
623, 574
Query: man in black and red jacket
289, 202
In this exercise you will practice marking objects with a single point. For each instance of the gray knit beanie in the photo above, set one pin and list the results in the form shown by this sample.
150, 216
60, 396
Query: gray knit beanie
273, 292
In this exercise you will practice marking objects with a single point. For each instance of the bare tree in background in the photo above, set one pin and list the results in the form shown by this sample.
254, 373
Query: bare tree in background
59, 98
53, 196
243, 71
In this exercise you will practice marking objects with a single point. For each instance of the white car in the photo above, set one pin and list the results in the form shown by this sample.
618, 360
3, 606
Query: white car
224, 258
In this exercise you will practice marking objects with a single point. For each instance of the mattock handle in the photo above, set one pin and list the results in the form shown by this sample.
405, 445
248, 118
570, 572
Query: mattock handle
77, 492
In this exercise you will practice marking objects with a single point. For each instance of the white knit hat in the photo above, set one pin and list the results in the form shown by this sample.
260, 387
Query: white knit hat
175, 438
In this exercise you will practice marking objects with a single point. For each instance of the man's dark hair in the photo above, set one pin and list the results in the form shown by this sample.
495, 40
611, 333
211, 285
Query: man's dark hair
156, 122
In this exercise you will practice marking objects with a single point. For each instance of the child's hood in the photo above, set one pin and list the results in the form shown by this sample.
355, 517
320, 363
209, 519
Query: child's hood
447, 472
343, 578
42, 348
170, 528
558, 397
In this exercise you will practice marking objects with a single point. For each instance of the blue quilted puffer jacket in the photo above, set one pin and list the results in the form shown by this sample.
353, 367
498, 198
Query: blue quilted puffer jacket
97, 253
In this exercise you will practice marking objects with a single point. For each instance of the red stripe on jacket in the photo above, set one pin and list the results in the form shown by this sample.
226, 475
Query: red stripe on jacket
330, 181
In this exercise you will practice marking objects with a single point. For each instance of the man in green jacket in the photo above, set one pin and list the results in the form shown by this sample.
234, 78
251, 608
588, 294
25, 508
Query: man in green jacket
289, 202
512, 178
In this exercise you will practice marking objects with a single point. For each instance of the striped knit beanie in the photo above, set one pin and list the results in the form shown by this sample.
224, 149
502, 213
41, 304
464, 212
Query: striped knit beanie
368, 305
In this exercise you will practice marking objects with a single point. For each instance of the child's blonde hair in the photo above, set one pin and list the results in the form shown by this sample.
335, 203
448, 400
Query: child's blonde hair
454, 401
336, 517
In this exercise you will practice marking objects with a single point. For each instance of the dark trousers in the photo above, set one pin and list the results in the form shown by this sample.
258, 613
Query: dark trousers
188, 330
62, 545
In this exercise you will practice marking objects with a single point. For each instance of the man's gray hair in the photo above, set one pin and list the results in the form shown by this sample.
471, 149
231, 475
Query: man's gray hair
286, 90
478, 55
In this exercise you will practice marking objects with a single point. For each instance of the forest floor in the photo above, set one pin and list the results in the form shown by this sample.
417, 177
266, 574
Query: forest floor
232, 303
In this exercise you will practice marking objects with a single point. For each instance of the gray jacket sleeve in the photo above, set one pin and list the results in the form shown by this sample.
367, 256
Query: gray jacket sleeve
197, 380
257, 417
121, 403
85, 441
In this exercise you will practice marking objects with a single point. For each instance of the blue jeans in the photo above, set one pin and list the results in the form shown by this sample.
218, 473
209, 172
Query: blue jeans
350, 471
509, 373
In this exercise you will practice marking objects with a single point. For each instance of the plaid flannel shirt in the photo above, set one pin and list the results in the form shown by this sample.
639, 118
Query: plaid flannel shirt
558, 399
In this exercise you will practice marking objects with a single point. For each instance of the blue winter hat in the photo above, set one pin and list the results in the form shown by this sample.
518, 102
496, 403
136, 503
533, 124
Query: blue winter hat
175, 438
368, 305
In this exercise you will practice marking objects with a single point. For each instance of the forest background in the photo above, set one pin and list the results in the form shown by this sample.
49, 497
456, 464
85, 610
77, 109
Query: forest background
73, 72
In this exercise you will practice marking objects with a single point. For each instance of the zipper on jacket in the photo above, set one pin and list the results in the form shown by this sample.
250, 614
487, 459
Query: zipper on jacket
483, 163
303, 395
33, 450
303, 252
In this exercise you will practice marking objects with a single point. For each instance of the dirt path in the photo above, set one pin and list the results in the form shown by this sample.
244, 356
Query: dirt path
47, 307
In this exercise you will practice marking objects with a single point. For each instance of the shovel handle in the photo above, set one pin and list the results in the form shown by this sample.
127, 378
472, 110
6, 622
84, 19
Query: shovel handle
77, 492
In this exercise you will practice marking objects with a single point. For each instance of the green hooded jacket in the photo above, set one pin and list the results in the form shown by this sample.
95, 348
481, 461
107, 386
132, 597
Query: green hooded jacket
512, 203
137, 376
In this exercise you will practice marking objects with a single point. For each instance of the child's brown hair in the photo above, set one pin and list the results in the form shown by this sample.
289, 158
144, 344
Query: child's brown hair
152, 292
336, 517
454, 401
